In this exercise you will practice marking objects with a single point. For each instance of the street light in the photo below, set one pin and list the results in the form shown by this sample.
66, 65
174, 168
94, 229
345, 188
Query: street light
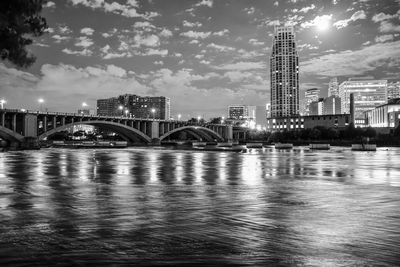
41, 101
2, 102
222, 119
84, 104
126, 112
179, 117
121, 108
153, 111
198, 119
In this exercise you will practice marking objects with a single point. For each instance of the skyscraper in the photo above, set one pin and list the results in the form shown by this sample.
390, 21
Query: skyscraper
310, 96
333, 89
284, 64
368, 94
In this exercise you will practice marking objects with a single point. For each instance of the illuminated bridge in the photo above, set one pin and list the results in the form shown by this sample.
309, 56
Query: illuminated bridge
18, 126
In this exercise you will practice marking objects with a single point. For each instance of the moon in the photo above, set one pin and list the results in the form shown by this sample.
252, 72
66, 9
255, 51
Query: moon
323, 23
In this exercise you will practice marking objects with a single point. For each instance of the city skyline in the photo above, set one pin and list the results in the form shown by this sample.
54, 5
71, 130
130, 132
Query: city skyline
190, 53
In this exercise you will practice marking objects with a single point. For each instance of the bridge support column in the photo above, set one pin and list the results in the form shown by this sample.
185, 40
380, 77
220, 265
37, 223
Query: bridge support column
54, 122
45, 124
161, 128
228, 133
3, 119
30, 125
63, 121
14, 122
155, 133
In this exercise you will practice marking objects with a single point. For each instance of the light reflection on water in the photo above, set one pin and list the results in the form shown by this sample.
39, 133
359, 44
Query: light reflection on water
145, 206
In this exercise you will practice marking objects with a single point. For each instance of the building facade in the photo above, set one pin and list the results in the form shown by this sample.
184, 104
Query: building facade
387, 115
316, 107
284, 73
332, 105
135, 106
393, 90
239, 112
108, 107
368, 94
333, 87
308, 122
310, 95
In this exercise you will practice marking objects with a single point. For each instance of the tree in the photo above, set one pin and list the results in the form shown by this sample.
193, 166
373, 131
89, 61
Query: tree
217, 120
20, 19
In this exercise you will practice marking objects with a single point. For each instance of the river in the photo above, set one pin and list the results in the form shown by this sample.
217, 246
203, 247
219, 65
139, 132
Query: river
152, 206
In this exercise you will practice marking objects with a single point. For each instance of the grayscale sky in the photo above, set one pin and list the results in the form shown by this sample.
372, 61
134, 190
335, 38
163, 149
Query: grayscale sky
203, 54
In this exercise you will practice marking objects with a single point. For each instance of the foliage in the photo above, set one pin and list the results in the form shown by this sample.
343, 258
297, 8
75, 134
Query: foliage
217, 120
18, 20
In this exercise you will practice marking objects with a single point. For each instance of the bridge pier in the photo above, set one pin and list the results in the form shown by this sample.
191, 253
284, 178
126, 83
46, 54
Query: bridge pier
3, 119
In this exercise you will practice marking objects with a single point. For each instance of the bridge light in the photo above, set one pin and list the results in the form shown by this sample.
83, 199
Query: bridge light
2, 102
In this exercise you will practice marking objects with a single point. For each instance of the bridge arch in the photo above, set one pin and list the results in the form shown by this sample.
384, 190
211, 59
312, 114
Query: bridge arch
201, 131
10, 135
126, 132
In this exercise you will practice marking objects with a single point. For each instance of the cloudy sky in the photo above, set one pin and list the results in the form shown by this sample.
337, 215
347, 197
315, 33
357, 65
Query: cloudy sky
203, 54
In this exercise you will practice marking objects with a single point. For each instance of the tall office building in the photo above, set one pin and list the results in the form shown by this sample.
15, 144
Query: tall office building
333, 87
316, 107
284, 64
393, 90
310, 95
368, 94
332, 105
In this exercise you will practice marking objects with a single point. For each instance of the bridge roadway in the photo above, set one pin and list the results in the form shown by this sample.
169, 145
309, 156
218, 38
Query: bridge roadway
18, 126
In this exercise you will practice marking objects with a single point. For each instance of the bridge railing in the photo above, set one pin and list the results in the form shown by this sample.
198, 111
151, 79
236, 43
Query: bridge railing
78, 115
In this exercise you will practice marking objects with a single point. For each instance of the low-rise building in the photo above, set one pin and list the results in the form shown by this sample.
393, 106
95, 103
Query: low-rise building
384, 116
308, 122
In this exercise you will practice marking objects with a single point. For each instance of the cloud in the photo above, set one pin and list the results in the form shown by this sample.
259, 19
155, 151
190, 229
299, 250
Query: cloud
191, 24
116, 71
316, 21
60, 38
256, 42
84, 41
155, 52
222, 48
208, 3
87, 31
305, 9
127, 10
85, 52
356, 16
149, 40
387, 26
250, 10
349, 62
221, 33
384, 38
166, 33
242, 65
49, 4
159, 62
195, 35
382, 16
64, 29
276, 3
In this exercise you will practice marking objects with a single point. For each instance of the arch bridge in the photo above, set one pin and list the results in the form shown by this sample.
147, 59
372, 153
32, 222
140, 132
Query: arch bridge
18, 125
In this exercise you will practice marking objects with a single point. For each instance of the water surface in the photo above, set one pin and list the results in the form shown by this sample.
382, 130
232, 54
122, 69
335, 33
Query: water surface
160, 206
